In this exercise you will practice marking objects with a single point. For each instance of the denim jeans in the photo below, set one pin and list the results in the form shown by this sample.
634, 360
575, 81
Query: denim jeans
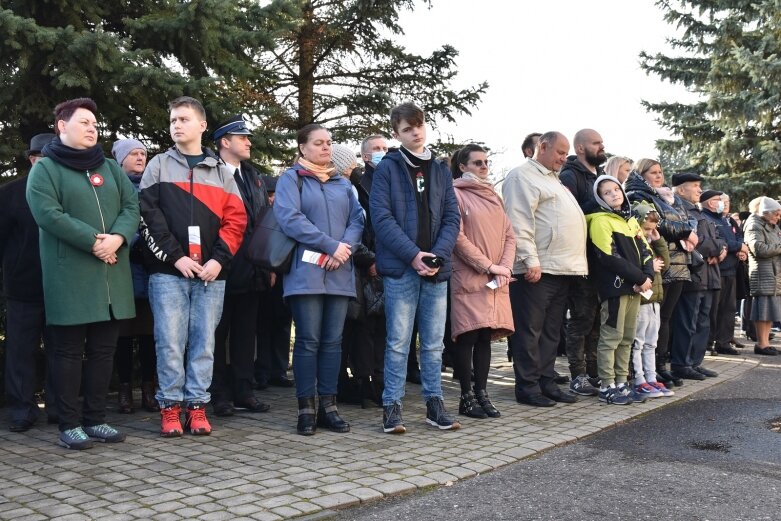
317, 351
407, 299
186, 313
644, 346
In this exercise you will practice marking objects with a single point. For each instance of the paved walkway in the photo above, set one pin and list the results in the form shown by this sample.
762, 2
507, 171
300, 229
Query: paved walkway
256, 467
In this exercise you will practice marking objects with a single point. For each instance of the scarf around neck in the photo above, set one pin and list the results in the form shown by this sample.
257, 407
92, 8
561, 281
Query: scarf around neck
323, 173
413, 159
86, 159
472, 177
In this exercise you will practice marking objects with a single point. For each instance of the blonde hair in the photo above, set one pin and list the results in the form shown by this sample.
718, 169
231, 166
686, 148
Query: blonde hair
642, 166
614, 164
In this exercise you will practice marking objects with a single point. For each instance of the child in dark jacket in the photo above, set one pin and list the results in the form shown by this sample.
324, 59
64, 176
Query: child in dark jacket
622, 265
644, 346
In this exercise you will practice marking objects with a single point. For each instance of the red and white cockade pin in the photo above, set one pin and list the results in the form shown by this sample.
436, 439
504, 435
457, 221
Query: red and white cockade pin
96, 179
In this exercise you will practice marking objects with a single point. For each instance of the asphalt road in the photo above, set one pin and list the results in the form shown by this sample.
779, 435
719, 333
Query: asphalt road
711, 457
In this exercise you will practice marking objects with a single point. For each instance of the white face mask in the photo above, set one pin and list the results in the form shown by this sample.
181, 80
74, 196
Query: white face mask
720, 207
377, 157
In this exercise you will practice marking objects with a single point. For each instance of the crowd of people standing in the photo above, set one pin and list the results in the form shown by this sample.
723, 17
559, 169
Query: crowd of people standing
101, 256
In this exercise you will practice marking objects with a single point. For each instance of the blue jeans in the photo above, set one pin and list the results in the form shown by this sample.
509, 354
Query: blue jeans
186, 313
317, 351
408, 298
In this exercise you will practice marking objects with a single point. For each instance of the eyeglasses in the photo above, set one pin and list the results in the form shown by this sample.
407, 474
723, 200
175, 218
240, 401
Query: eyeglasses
479, 163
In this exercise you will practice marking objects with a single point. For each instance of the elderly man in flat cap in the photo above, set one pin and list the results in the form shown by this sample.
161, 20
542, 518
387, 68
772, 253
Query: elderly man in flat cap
232, 386
23, 289
691, 318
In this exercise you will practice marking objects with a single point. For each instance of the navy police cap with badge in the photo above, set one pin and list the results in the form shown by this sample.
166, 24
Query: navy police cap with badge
234, 125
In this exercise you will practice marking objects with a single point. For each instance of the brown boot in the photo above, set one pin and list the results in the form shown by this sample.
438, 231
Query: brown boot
148, 401
125, 398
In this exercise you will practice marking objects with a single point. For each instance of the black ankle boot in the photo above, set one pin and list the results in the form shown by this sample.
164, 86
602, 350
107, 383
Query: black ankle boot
468, 406
481, 395
125, 399
328, 415
307, 416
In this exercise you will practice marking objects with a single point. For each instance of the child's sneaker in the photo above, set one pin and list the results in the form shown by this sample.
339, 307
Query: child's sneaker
647, 390
170, 424
613, 396
662, 389
196, 421
582, 386
627, 390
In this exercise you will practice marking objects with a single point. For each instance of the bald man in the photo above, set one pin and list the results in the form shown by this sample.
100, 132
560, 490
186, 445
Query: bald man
550, 232
578, 175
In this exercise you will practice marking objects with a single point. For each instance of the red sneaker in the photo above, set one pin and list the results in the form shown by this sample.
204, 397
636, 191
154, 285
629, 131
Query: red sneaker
196, 421
170, 425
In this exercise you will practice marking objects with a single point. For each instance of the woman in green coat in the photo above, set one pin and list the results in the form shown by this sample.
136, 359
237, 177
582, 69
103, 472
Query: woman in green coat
87, 212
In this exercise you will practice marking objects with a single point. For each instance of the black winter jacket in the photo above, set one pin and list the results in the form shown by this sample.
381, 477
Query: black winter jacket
674, 226
22, 278
728, 231
580, 181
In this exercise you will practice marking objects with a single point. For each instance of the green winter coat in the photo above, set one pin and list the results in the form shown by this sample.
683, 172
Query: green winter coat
78, 287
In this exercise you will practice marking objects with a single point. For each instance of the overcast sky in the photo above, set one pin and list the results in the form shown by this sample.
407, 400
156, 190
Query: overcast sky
551, 65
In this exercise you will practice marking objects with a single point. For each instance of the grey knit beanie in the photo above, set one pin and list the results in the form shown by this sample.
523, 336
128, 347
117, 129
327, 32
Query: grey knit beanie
123, 147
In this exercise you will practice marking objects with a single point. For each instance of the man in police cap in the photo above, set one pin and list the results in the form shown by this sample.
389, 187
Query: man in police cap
23, 289
232, 385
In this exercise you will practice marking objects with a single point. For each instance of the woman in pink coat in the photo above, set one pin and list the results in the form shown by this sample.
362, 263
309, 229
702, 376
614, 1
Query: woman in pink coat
482, 268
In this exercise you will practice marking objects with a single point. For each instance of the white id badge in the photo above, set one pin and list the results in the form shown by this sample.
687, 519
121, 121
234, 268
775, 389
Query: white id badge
194, 240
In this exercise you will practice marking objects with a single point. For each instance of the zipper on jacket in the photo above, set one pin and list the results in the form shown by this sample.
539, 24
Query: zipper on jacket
328, 217
103, 224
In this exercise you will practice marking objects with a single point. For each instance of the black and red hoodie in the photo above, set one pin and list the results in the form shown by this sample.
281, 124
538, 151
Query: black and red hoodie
174, 197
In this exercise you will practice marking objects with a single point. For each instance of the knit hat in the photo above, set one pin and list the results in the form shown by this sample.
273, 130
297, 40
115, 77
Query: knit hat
123, 147
766, 204
343, 158
641, 209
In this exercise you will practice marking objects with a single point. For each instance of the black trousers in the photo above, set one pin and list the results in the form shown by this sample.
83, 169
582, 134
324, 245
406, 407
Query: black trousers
583, 327
672, 292
472, 349
722, 323
363, 347
274, 321
69, 351
25, 328
235, 333
537, 313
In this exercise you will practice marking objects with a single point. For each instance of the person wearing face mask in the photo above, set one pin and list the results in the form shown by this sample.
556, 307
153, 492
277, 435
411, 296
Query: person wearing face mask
722, 316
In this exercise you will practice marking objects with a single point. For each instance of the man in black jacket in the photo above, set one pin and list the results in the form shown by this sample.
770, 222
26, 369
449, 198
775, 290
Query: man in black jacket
691, 317
243, 285
23, 290
578, 175
722, 318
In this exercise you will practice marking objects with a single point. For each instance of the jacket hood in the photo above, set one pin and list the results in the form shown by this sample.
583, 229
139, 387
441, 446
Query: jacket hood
626, 210
636, 183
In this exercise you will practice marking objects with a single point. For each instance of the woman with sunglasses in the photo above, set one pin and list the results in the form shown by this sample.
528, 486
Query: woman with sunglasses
482, 269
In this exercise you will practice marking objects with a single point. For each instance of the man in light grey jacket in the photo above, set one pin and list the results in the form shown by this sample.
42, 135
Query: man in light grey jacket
550, 232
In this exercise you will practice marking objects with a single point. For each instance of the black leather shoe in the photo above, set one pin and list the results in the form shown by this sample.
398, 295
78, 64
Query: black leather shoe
735, 342
728, 350
707, 372
251, 404
558, 396
769, 350
282, 381
222, 408
668, 378
20, 425
328, 415
687, 373
468, 406
307, 416
560, 379
535, 400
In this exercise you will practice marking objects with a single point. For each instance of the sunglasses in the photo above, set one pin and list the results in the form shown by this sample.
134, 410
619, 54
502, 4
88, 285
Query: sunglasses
479, 163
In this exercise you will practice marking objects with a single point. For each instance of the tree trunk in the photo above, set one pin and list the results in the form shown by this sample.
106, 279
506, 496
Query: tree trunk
306, 58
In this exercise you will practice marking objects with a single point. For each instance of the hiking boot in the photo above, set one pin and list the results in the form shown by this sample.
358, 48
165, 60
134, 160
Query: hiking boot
75, 439
195, 420
125, 399
468, 406
170, 424
582, 386
481, 395
391, 419
104, 433
437, 416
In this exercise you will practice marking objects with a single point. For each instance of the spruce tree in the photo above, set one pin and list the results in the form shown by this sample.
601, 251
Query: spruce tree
729, 53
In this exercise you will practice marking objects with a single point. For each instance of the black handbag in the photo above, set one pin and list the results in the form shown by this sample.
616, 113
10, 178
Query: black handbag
269, 247
374, 296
